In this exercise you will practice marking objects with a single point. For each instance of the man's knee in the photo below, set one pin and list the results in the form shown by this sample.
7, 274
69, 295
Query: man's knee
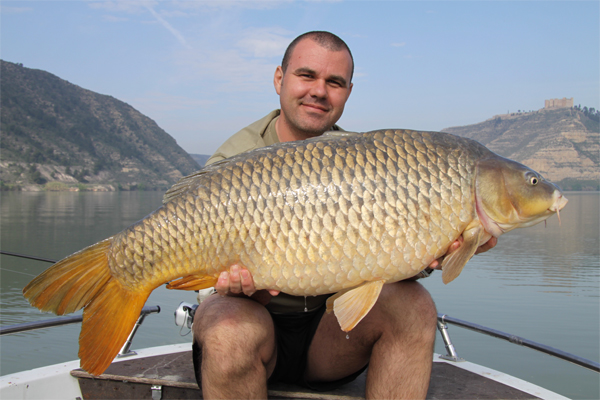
408, 305
231, 333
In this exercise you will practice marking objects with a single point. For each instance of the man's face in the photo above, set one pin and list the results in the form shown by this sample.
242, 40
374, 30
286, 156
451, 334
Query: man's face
313, 90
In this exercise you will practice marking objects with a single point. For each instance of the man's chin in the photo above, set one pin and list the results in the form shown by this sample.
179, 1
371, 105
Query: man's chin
316, 126
315, 131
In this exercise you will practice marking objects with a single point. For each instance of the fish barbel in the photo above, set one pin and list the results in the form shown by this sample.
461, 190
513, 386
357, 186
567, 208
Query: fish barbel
345, 212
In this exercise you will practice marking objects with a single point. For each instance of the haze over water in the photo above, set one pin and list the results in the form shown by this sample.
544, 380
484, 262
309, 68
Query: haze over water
541, 283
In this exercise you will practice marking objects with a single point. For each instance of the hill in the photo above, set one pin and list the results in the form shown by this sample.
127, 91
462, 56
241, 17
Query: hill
561, 144
61, 135
201, 159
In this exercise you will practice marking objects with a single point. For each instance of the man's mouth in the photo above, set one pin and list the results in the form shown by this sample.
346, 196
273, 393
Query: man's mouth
315, 107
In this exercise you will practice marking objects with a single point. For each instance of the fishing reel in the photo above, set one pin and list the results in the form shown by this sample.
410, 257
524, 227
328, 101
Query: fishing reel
184, 314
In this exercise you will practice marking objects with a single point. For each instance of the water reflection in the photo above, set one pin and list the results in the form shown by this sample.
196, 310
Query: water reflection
551, 257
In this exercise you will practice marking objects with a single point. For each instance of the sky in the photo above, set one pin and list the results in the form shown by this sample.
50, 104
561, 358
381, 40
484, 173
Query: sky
204, 69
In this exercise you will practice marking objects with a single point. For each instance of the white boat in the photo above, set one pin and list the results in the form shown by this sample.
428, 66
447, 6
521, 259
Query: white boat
166, 372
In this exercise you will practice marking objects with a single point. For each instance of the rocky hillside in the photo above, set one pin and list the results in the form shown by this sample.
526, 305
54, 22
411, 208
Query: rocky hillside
60, 135
561, 144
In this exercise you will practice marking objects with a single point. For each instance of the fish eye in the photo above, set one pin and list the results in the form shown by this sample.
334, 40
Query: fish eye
533, 180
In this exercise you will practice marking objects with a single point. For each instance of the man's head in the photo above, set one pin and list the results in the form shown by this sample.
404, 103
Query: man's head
325, 39
313, 82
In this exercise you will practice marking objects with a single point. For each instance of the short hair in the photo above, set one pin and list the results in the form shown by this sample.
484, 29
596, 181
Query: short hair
325, 39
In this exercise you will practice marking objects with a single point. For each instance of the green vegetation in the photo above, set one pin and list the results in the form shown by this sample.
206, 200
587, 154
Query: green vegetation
56, 187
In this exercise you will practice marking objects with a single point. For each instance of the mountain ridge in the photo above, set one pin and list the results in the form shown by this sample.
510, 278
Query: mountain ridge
56, 132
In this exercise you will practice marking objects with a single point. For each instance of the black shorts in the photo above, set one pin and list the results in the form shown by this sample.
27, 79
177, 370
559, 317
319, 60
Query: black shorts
294, 333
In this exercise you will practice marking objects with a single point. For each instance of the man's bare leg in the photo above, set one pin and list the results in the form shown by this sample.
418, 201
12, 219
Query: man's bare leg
396, 338
237, 339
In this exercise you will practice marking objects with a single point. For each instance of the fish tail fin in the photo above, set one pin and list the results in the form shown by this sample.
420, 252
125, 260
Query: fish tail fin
107, 322
71, 283
111, 309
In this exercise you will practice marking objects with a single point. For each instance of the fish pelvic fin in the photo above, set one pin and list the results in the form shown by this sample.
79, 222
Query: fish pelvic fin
84, 280
352, 305
454, 263
193, 282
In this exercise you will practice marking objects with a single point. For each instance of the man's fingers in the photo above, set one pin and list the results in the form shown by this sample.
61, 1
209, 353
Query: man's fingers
235, 281
487, 246
222, 286
247, 283
239, 280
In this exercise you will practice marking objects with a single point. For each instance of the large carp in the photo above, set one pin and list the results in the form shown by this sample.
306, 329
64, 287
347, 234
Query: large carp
345, 212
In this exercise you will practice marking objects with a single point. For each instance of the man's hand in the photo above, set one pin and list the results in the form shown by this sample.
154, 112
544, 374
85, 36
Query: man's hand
437, 264
238, 282
490, 244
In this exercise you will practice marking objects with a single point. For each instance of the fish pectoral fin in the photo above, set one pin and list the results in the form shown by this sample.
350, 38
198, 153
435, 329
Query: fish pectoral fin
453, 264
332, 299
352, 305
193, 282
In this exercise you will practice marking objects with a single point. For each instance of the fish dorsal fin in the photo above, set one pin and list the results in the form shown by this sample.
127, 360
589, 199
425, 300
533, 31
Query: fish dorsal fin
182, 186
188, 182
193, 282
340, 134
453, 263
352, 305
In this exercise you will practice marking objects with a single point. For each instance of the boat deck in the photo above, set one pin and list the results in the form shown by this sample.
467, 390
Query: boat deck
171, 376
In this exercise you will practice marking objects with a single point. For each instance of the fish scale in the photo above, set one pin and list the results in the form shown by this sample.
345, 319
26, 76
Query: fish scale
340, 204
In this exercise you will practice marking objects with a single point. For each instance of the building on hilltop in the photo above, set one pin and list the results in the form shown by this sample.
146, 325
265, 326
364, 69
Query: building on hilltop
559, 103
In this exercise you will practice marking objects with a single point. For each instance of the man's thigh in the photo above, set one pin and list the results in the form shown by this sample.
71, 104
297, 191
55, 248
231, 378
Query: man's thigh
335, 354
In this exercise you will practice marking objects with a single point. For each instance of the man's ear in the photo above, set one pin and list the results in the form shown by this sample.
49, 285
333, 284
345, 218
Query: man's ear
278, 79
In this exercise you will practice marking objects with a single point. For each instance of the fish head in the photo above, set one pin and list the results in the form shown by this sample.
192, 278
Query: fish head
510, 195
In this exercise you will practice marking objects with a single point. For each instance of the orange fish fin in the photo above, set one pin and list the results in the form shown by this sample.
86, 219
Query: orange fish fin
71, 283
353, 305
107, 322
193, 282
84, 280
454, 263
332, 299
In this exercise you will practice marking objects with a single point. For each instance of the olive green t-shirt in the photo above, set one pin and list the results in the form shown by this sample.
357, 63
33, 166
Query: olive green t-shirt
259, 134
256, 135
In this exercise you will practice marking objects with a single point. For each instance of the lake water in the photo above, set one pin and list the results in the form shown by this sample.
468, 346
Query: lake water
541, 283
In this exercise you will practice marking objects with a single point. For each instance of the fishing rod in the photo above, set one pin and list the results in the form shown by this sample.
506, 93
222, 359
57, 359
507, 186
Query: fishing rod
8, 253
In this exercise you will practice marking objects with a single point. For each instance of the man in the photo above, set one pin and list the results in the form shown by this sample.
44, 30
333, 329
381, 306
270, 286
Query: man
244, 338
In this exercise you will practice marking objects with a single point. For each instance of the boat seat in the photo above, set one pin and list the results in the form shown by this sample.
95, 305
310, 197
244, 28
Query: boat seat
172, 377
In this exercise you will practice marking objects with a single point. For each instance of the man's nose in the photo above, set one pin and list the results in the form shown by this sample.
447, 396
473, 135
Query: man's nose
319, 89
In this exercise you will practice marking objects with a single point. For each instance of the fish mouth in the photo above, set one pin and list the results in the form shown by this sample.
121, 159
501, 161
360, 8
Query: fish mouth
560, 202
496, 229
